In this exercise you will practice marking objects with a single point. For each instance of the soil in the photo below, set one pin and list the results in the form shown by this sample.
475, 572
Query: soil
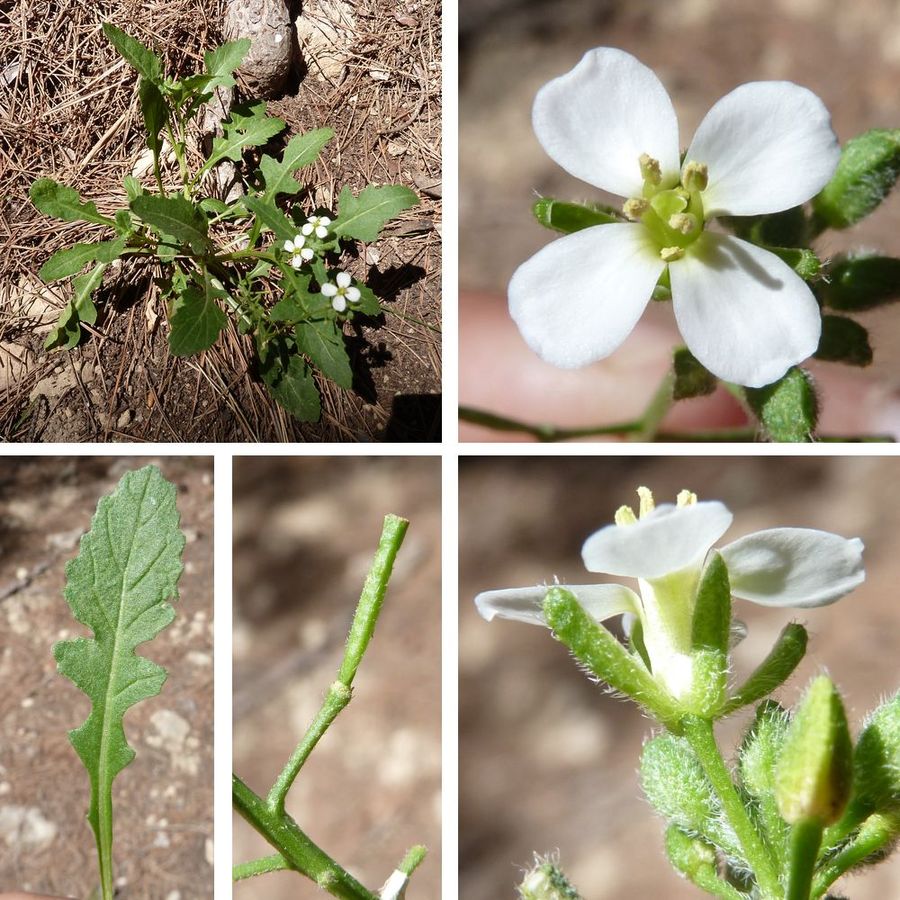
304, 534
70, 111
849, 54
163, 845
548, 760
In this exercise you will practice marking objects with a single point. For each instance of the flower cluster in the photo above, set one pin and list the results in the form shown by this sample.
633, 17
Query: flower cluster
742, 311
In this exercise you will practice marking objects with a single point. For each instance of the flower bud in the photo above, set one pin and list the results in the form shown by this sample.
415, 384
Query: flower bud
876, 763
546, 881
813, 777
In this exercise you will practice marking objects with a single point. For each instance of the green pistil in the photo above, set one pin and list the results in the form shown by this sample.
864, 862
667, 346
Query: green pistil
674, 216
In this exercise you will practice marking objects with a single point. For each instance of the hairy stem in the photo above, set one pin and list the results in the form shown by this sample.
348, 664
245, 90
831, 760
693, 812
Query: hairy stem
274, 863
874, 836
806, 837
701, 736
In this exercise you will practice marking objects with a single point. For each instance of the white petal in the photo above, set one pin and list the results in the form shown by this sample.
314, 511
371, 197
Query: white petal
328, 289
794, 567
307, 228
596, 121
289, 246
745, 314
339, 303
321, 231
578, 298
666, 540
600, 601
769, 145
343, 279
324, 220
352, 294
297, 261
307, 253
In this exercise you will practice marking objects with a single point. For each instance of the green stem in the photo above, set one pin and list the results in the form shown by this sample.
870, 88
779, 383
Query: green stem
104, 846
282, 832
877, 833
701, 736
274, 863
659, 405
548, 433
806, 838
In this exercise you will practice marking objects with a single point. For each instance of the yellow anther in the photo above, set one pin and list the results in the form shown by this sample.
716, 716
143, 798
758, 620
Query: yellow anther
647, 504
625, 516
686, 498
670, 254
683, 222
633, 209
651, 171
695, 176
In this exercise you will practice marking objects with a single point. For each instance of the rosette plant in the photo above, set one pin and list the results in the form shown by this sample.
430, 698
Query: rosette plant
807, 807
747, 304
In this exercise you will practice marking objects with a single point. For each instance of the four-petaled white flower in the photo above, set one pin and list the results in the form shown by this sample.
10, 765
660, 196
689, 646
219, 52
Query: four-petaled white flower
665, 550
341, 293
299, 253
742, 311
317, 224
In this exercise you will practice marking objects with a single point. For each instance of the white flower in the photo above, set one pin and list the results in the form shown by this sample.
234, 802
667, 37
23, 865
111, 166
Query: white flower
742, 311
665, 550
317, 224
341, 293
299, 253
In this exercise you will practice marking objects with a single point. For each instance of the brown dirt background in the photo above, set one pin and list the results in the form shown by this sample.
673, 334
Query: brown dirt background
548, 761
163, 801
848, 53
304, 534
68, 109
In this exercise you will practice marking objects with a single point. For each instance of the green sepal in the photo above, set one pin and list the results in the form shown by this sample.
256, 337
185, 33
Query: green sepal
139, 57
876, 763
788, 409
594, 647
570, 217
696, 860
363, 217
546, 881
710, 636
120, 586
757, 760
789, 228
861, 281
868, 168
844, 340
773, 671
814, 774
692, 379
804, 262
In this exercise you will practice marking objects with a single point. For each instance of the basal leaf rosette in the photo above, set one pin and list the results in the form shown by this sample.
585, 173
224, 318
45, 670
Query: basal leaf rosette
665, 548
742, 311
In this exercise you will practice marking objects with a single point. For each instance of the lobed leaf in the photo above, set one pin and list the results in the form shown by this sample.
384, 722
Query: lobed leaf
197, 320
289, 380
144, 61
80, 308
155, 111
300, 151
222, 62
119, 585
62, 202
248, 126
323, 344
174, 216
73, 259
363, 217
272, 217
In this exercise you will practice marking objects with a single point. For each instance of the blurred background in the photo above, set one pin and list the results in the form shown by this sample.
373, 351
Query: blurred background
305, 531
548, 761
847, 53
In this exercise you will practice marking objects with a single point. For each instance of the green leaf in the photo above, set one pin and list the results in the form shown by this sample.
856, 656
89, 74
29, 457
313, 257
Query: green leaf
788, 409
142, 60
368, 304
272, 217
299, 304
174, 216
133, 187
300, 151
569, 217
222, 62
197, 320
73, 259
323, 344
156, 113
868, 169
80, 308
124, 224
804, 262
691, 378
64, 203
364, 216
248, 126
844, 340
773, 671
862, 281
119, 585
290, 380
